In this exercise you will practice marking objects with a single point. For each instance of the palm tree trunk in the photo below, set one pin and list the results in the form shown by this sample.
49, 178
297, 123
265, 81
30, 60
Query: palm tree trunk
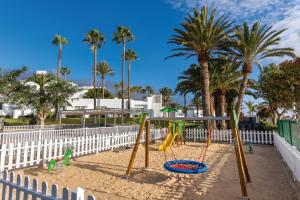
184, 104
123, 75
212, 111
102, 85
94, 82
241, 94
222, 109
128, 84
203, 60
65, 77
59, 62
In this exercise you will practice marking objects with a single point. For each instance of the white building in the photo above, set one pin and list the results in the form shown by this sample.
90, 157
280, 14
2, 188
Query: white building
152, 104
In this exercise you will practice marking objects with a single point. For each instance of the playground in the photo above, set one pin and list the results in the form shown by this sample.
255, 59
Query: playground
103, 175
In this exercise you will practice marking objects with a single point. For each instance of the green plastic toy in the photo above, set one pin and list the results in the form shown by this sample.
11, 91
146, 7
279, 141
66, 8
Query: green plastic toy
66, 159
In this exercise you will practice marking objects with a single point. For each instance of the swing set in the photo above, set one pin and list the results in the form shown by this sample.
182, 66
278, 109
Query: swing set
191, 166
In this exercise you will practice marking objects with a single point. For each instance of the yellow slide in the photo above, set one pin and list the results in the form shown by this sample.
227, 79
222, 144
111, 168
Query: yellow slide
168, 141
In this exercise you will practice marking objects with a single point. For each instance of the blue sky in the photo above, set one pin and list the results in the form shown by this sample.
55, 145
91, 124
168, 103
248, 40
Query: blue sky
28, 27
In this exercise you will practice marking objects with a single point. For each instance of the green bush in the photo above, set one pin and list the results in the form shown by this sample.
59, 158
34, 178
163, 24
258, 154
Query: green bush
267, 126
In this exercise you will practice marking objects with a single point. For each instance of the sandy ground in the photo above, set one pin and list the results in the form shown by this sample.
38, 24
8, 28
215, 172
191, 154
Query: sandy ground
103, 175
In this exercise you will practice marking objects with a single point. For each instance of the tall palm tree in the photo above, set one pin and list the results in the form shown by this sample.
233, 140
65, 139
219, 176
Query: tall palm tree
130, 56
166, 93
117, 86
95, 39
123, 35
253, 45
203, 34
65, 71
104, 70
59, 41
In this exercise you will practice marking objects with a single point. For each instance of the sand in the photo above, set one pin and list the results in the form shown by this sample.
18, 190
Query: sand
103, 175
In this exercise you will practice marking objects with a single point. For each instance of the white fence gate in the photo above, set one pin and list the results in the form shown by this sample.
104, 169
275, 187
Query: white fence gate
19, 189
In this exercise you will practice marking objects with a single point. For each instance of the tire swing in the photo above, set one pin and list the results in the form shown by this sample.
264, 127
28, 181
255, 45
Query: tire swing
190, 166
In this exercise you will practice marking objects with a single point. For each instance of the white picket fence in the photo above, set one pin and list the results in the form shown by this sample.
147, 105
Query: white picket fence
41, 135
22, 189
37, 127
32, 153
290, 155
255, 137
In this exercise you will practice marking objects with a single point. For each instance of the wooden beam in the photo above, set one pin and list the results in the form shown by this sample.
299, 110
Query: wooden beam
248, 178
191, 118
136, 145
238, 157
147, 143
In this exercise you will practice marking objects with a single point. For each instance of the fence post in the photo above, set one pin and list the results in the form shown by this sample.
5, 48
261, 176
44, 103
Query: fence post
79, 194
290, 130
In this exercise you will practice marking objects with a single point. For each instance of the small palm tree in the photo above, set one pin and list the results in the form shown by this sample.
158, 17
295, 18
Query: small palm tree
203, 34
117, 86
65, 71
130, 56
253, 45
197, 102
123, 35
104, 70
135, 90
166, 93
251, 107
95, 40
59, 41
148, 90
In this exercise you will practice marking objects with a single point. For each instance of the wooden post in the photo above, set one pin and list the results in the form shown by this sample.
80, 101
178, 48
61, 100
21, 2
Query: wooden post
238, 157
147, 142
248, 178
136, 145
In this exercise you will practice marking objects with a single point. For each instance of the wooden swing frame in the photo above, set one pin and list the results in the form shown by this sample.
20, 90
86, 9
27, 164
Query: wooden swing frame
244, 175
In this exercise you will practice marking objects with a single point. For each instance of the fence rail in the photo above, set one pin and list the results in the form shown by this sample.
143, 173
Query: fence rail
41, 135
37, 127
289, 154
12, 189
255, 137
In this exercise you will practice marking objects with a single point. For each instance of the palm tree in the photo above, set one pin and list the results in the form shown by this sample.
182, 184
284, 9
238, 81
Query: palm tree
123, 35
65, 71
117, 86
197, 102
135, 90
166, 93
148, 90
253, 45
203, 34
95, 40
251, 107
224, 76
130, 56
59, 41
103, 69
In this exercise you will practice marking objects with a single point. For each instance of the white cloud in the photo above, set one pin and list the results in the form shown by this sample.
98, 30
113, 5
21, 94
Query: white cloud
279, 13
